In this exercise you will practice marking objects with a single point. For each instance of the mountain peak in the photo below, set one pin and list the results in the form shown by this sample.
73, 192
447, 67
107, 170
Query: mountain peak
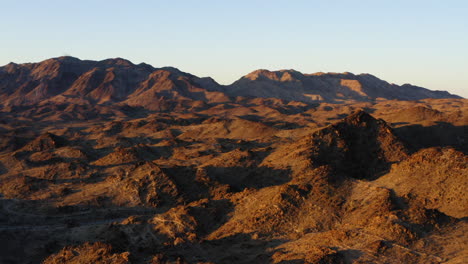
357, 141
280, 75
117, 62
260, 73
359, 116
67, 59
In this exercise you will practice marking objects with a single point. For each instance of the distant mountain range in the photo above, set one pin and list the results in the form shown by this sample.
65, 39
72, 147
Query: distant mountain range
68, 79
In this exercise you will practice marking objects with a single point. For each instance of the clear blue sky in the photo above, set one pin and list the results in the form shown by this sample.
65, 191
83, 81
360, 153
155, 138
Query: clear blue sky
422, 42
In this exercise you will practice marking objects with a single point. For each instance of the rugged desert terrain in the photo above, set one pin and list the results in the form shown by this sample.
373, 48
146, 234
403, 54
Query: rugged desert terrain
111, 162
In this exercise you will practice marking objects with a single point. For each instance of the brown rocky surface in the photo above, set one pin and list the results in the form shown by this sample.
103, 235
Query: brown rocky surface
111, 162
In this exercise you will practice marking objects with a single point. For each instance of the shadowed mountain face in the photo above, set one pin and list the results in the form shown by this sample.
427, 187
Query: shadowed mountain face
118, 80
359, 146
111, 162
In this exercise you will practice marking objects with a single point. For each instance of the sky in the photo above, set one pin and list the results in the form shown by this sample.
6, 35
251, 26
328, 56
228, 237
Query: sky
424, 43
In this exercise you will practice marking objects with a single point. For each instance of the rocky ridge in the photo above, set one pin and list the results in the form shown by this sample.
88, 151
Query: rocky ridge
68, 79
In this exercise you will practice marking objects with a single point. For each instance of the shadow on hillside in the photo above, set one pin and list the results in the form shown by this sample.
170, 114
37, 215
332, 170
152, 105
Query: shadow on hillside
168, 232
144, 236
227, 144
3, 169
238, 248
275, 124
244, 248
440, 135
238, 178
185, 179
30, 230
356, 152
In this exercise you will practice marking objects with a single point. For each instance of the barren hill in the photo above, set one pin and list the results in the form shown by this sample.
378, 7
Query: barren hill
111, 162
330, 87
114, 80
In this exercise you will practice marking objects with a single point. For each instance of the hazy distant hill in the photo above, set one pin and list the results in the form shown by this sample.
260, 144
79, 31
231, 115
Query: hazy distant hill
66, 79
329, 87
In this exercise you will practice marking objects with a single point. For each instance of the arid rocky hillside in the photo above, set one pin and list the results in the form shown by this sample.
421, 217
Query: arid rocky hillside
111, 162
